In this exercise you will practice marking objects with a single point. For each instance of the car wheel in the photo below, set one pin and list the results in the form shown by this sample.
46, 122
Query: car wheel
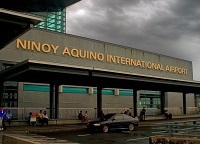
131, 127
105, 129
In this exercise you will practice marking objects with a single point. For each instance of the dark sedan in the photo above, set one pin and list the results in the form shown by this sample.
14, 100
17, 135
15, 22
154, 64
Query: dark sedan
113, 122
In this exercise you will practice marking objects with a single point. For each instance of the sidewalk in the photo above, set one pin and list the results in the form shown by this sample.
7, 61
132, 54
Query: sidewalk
76, 125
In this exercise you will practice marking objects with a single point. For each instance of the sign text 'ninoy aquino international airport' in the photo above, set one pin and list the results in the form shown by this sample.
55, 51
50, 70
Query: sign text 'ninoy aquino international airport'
97, 56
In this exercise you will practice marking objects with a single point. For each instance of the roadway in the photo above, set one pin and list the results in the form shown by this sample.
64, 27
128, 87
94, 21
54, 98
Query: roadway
139, 136
77, 132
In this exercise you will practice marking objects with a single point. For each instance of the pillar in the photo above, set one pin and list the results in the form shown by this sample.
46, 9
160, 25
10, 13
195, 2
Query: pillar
162, 102
56, 101
135, 103
51, 101
184, 103
151, 102
99, 102
1, 93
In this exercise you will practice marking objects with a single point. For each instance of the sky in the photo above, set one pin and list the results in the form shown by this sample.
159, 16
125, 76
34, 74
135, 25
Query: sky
167, 27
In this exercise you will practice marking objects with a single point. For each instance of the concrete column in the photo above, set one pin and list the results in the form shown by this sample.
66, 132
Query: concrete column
56, 101
1, 93
51, 101
135, 103
184, 103
151, 102
99, 102
162, 102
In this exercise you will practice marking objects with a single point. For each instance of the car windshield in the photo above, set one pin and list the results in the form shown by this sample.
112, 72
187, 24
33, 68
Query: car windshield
106, 117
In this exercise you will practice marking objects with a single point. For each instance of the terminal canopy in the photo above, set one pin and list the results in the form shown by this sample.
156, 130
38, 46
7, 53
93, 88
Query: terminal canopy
14, 24
26, 5
62, 74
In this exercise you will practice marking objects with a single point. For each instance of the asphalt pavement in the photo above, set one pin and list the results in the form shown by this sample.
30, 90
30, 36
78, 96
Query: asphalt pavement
28, 132
150, 121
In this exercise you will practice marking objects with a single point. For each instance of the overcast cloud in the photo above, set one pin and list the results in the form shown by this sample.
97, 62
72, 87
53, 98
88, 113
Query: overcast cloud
169, 27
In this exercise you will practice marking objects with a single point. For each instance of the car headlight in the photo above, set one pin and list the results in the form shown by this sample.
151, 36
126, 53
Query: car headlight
96, 124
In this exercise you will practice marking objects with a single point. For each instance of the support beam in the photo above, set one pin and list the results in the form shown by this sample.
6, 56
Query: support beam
56, 101
184, 103
1, 93
135, 103
51, 101
99, 101
151, 102
162, 102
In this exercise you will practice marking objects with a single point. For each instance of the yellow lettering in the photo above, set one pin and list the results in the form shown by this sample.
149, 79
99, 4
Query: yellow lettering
21, 44
33, 45
66, 51
160, 67
54, 48
93, 55
29, 45
46, 48
148, 65
167, 68
112, 59
74, 52
123, 60
133, 62
82, 54
100, 56
139, 63
128, 61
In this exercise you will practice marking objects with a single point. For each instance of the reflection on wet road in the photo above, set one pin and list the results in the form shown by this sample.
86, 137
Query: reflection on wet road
139, 136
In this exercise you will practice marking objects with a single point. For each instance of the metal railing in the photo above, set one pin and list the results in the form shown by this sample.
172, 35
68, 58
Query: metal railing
189, 128
64, 113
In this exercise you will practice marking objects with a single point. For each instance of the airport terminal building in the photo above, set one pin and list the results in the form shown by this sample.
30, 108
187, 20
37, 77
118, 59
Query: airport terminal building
63, 74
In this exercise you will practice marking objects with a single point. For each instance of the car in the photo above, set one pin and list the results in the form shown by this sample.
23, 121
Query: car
114, 121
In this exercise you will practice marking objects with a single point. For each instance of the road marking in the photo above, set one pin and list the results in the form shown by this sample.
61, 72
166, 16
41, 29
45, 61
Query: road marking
137, 139
160, 132
84, 135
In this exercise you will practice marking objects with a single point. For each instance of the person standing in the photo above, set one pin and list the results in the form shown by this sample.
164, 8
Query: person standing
142, 113
85, 116
3, 118
80, 115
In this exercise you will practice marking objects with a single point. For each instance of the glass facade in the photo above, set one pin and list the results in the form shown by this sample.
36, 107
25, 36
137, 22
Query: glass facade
10, 90
10, 94
54, 21
149, 99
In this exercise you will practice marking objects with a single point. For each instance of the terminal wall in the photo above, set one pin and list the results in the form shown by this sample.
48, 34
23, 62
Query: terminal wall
48, 46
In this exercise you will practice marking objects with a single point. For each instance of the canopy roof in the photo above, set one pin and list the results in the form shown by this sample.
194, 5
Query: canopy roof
14, 24
62, 74
26, 5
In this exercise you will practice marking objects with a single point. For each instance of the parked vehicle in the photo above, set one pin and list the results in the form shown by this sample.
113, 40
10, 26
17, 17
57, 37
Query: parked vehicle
114, 121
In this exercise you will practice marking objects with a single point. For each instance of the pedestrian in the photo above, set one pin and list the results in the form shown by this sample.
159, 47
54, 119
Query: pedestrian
85, 116
128, 112
40, 117
80, 115
142, 114
3, 118
45, 118
9, 117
